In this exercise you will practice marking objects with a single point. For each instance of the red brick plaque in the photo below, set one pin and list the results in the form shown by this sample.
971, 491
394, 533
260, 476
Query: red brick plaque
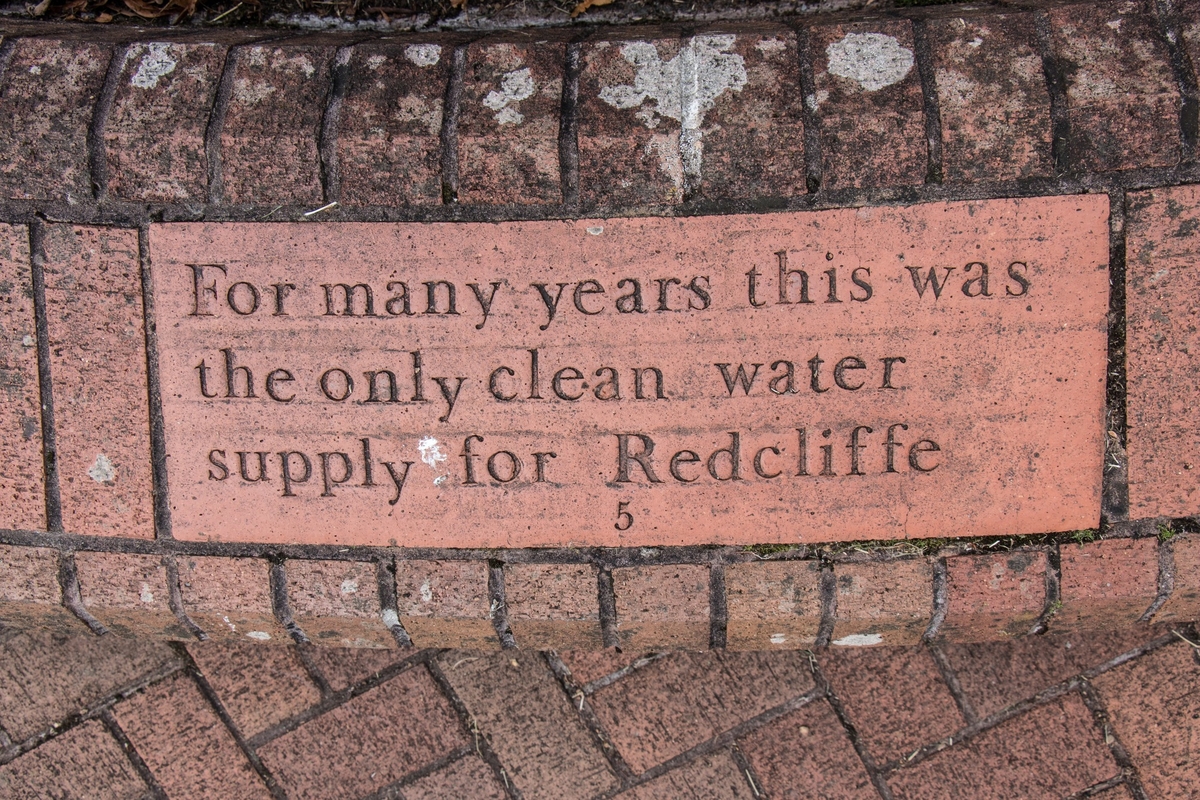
935, 370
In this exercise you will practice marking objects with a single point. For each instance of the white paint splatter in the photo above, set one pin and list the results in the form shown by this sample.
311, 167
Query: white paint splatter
156, 63
35, 70
595, 230
390, 618
872, 60
232, 627
1116, 25
768, 46
261, 636
778, 638
432, 455
426, 592
28, 341
515, 86
423, 55
102, 470
375, 62
858, 640
146, 595
251, 93
349, 586
976, 42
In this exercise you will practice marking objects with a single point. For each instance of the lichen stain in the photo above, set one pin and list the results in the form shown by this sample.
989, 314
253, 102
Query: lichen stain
872, 60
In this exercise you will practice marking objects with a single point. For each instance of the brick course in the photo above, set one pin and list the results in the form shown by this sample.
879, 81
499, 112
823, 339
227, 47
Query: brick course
83, 762
128, 594
553, 606
21, 484
774, 605
994, 595
337, 603
446, 602
30, 595
883, 602
230, 598
1107, 583
662, 606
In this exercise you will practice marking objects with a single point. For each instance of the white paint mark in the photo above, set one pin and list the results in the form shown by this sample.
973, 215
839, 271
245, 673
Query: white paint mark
858, 640
28, 341
426, 592
343, 57
35, 70
102, 470
594, 230
349, 586
872, 60
515, 86
440, 479
976, 42
778, 638
232, 627
257, 57
251, 93
1158, 276
1116, 25
261, 636
431, 452
423, 55
768, 46
390, 618
666, 146
146, 595
375, 62
155, 64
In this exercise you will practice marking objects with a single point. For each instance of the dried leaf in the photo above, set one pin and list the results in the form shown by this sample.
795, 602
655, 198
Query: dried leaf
40, 8
458, 3
104, 18
146, 10
586, 4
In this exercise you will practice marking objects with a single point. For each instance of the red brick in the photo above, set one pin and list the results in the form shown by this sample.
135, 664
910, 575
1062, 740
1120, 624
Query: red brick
807, 754
895, 697
21, 487
30, 595
128, 594
344, 667
373, 740
154, 134
1184, 603
446, 604
553, 606
1121, 92
872, 122
773, 605
337, 603
467, 777
521, 710
83, 762
992, 98
183, 741
1119, 792
273, 123
883, 602
994, 595
259, 686
1108, 583
508, 122
50, 88
587, 666
662, 607
716, 776
98, 366
230, 598
1054, 750
389, 146
675, 703
1154, 706
1162, 285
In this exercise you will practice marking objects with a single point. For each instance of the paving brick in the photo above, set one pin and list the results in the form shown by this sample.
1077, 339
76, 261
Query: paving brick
186, 746
446, 604
337, 603
714, 777
467, 777
807, 753
772, 605
272, 126
1121, 93
230, 598
1184, 603
98, 366
1107, 583
553, 606
895, 697
666, 708
872, 119
128, 594
389, 146
1154, 706
883, 602
154, 134
662, 607
344, 667
50, 88
1162, 284
372, 741
587, 666
30, 595
1012, 759
83, 762
993, 595
508, 122
21, 486
992, 98
521, 709
259, 686
45, 677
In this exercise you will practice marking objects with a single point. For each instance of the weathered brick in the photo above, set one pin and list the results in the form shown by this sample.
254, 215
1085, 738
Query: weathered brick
467, 777
1121, 93
344, 667
773, 605
21, 486
508, 122
992, 98
337, 603
389, 146
128, 593
50, 88
587, 666
369, 742
446, 604
259, 686
154, 134
662, 607
83, 762
525, 716
869, 103
993, 595
230, 598
30, 595
883, 602
553, 606
175, 731
1106, 584
716, 776
1184, 603
98, 367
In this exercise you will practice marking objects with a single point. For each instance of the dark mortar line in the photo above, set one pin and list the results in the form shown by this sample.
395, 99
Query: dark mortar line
577, 697
498, 605
327, 142
613, 677
389, 792
5, 740
1185, 77
37, 262
1166, 579
747, 769
1116, 485
606, 601
216, 125
158, 437
1098, 788
96, 150
874, 772
175, 599
950, 678
1056, 86
449, 133
280, 607
1053, 578
933, 113
828, 590
389, 609
940, 601
718, 608
135, 759
72, 600
1091, 698
813, 164
568, 125
7, 48
304, 653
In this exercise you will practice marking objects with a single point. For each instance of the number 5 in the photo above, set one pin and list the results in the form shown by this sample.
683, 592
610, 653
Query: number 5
624, 518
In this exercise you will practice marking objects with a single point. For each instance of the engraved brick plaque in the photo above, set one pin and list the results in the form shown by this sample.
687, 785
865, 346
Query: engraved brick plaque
934, 370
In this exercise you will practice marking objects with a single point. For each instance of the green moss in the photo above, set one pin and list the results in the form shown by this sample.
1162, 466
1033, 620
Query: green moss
1084, 536
1166, 533
765, 550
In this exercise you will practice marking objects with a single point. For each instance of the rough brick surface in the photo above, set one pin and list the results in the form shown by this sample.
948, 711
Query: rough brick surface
21, 485
230, 598
994, 595
98, 366
522, 711
342, 668
587, 666
1184, 603
553, 606
128, 594
1107, 583
259, 686
30, 594
508, 123
446, 604
83, 762
50, 88
883, 602
716, 776
373, 740
662, 607
773, 605
468, 777
337, 603
992, 98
